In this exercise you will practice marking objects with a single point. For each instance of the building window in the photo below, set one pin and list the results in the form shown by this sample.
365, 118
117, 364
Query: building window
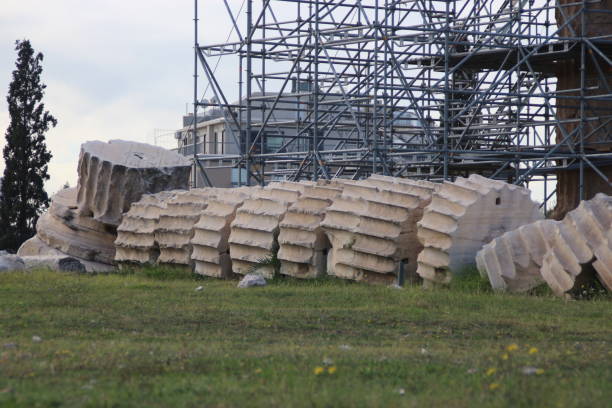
213, 144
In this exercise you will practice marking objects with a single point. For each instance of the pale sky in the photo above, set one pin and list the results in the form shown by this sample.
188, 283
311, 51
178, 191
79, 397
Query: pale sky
114, 69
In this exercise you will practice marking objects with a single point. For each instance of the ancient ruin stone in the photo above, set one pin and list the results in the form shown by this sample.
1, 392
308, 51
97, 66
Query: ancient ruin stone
251, 280
113, 175
513, 260
176, 225
55, 263
581, 248
372, 228
135, 243
35, 247
9, 263
210, 253
462, 217
65, 230
302, 241
254, 231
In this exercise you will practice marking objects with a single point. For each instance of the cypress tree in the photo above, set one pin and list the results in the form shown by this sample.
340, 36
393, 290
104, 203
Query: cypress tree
26, 156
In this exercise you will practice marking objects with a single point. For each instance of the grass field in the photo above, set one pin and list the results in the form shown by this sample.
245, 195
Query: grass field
149, 339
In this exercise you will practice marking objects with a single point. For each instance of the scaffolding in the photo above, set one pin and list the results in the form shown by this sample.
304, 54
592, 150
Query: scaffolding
432, 89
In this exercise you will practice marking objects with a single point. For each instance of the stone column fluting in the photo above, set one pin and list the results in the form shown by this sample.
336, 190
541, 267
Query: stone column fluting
113, 175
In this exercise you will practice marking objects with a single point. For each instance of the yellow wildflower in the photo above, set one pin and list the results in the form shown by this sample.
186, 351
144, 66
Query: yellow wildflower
533, 350
258, 371
493, 386
491, 371
319, 370
512, 347
505, 356
331, 369
539, 371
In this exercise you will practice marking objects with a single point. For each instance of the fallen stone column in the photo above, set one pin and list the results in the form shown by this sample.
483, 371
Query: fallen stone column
581, 248
302, 242
65, 230
113, 175
254, 231
135, 243
176, 225
372, 227
462, 217
512, 261
35, 247
210, 253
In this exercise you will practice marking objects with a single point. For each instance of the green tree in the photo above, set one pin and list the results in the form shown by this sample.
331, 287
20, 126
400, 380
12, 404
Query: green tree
26, 156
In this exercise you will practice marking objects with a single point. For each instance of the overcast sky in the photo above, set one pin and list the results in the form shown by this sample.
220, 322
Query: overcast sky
114, 69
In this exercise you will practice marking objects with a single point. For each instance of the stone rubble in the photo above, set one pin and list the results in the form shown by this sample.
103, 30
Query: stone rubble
11, 263
251, 280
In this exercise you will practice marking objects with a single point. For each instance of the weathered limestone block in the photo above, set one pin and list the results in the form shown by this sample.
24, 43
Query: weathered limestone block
64, 229
135, 243
113, 175
55, 263
34, 247
210, 253
513, 260
303, 244
9, 263
176, 225
581, 248
254, 231
462, 217
372, 227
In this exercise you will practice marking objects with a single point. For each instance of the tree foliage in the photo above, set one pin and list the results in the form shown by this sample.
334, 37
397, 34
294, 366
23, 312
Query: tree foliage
26, 156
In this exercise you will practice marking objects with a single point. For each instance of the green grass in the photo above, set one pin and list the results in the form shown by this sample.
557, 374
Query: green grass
149, 339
